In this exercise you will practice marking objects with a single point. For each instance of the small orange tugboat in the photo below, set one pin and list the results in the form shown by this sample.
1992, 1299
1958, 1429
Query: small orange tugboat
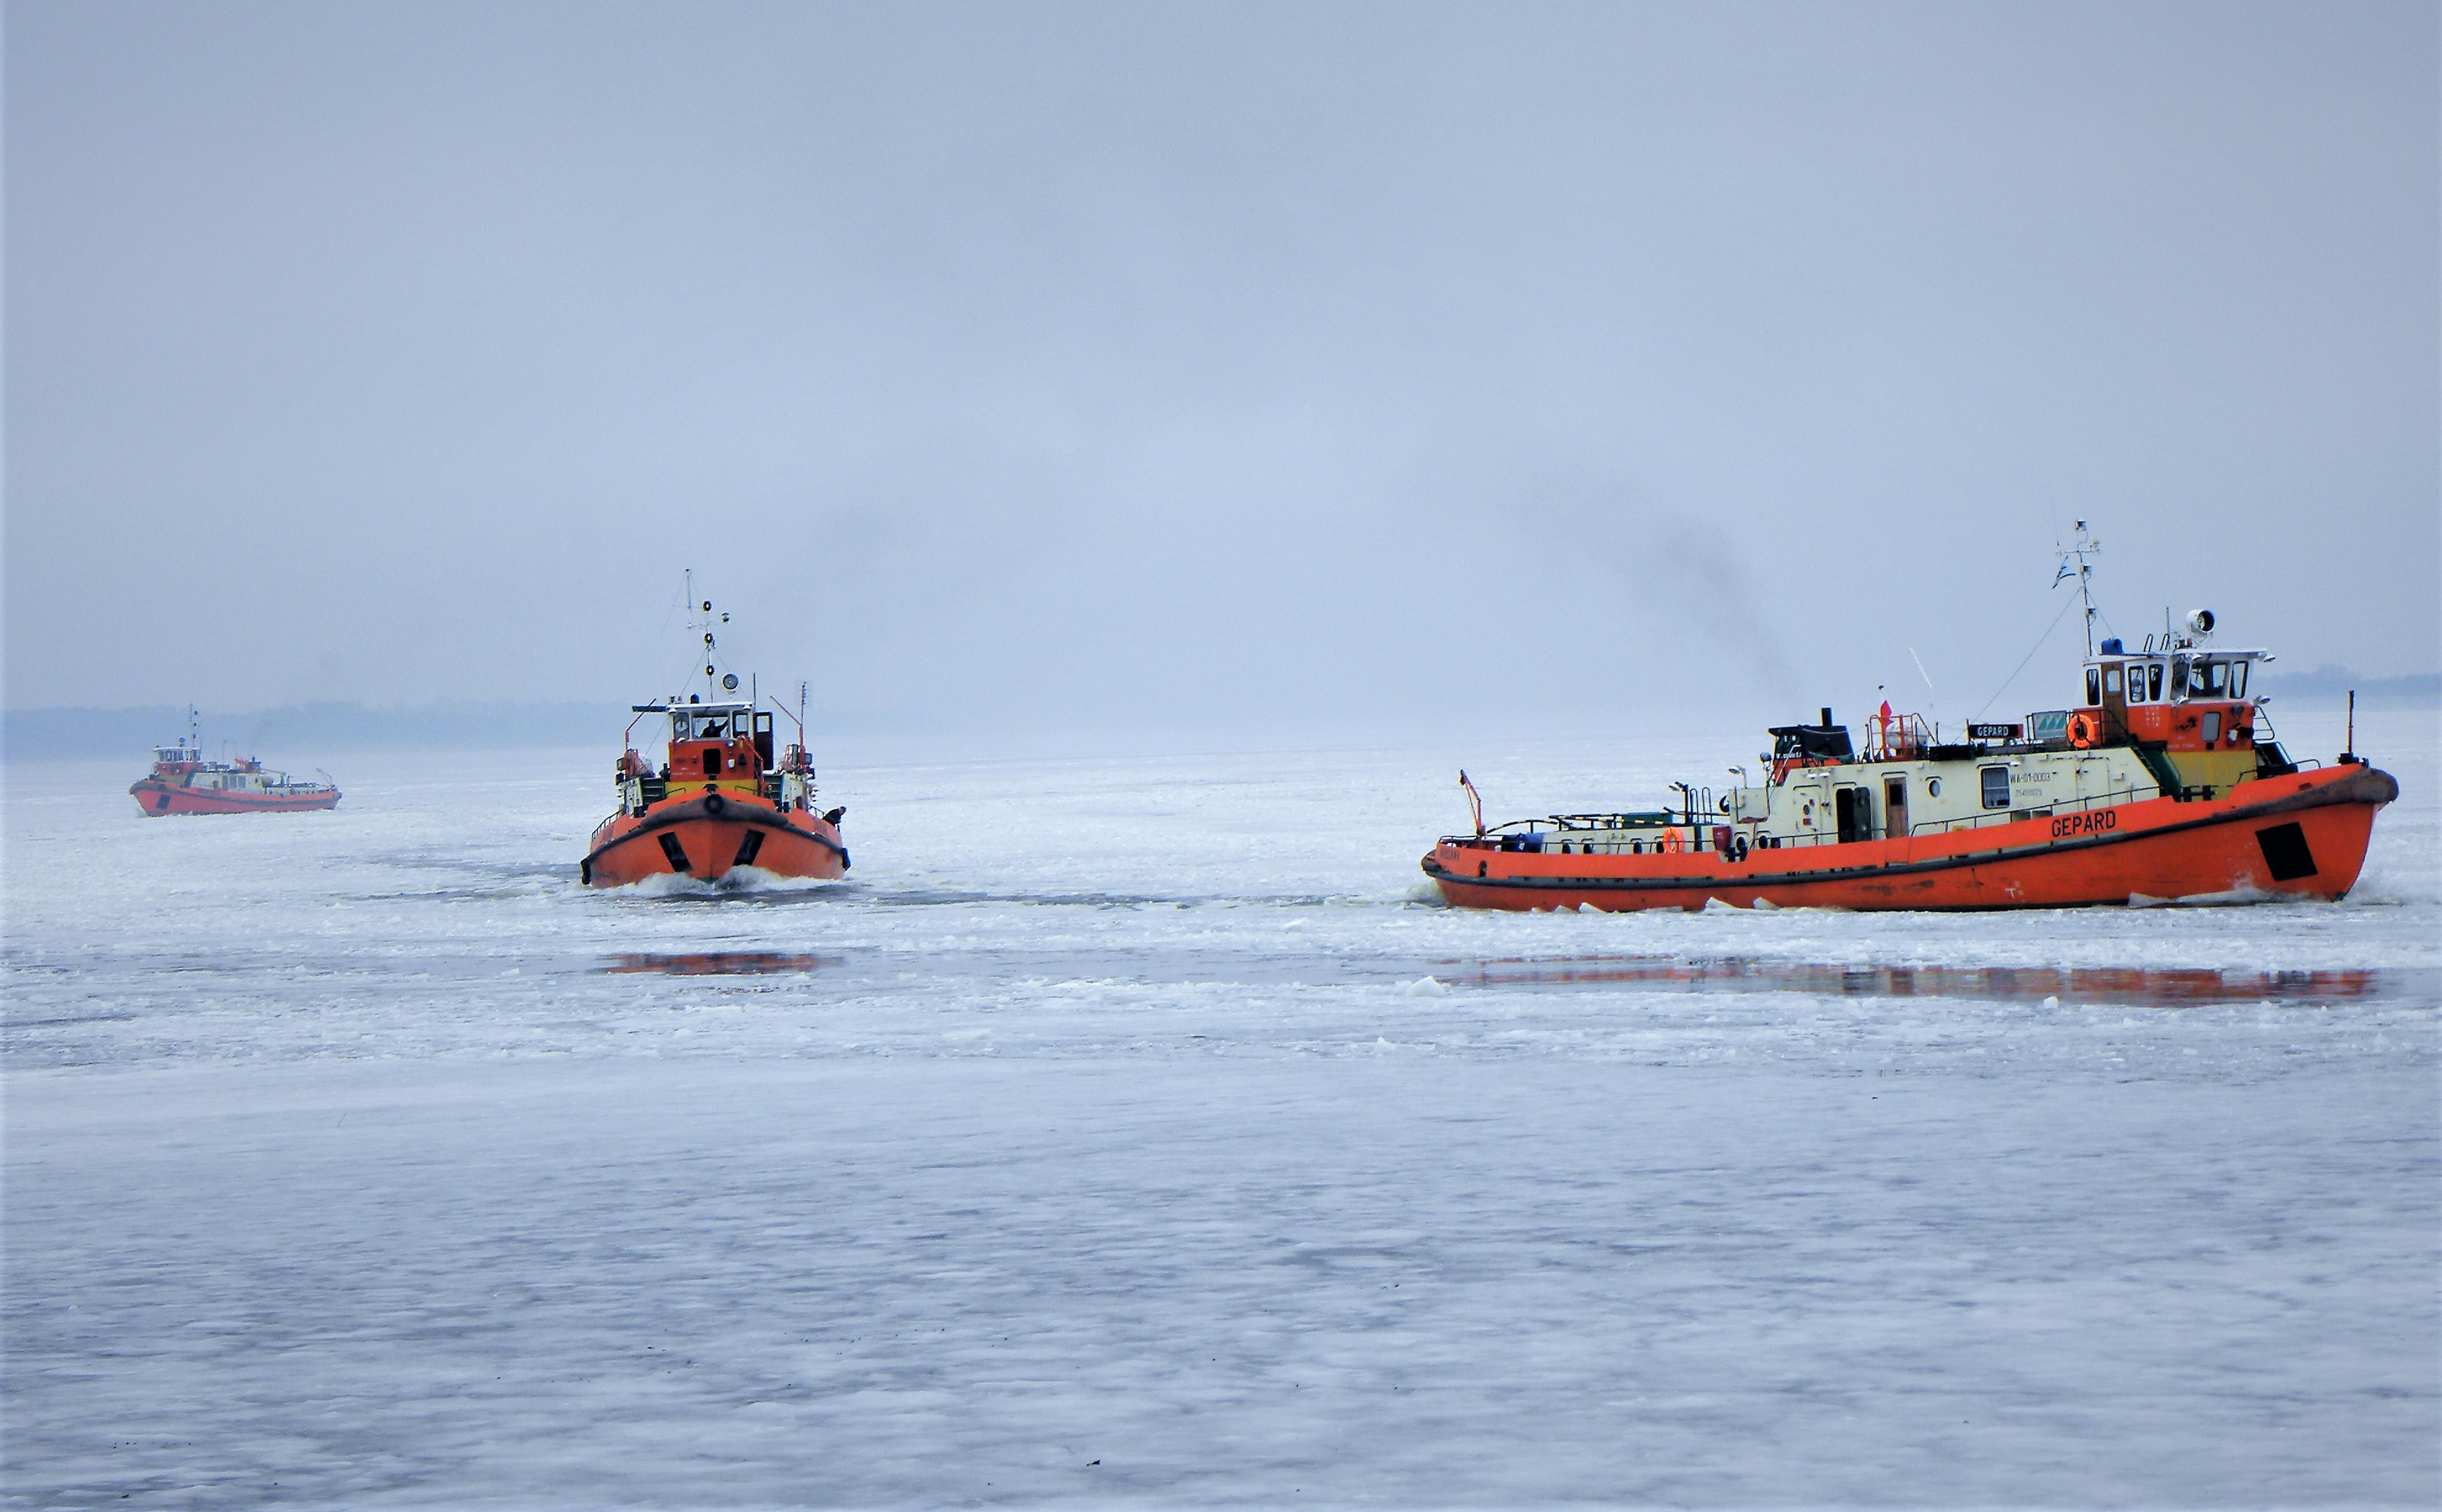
2164, 783
724, 801
183, 782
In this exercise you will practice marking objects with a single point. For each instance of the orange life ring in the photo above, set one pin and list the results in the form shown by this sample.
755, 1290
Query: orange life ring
1671, 842
2084, 730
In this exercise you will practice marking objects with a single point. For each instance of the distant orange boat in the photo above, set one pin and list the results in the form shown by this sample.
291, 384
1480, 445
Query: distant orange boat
2164, 783
183, 782
724, 800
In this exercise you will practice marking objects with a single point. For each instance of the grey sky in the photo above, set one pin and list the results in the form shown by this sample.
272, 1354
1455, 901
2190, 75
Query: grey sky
1089, 365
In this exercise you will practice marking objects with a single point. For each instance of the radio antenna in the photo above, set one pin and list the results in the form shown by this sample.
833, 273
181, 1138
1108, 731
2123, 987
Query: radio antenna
2074, 563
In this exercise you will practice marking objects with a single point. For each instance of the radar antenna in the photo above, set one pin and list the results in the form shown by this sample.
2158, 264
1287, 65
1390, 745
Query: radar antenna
2075, 562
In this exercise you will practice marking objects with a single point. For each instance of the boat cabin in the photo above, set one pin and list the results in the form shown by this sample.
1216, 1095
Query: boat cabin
715, 748
2178, 696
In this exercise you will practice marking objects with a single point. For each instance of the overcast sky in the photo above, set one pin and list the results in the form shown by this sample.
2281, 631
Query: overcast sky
1091, 365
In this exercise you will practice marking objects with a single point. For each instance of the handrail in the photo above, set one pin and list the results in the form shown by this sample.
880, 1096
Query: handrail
1899, 741
1700, 838
1697, 832
2110, 799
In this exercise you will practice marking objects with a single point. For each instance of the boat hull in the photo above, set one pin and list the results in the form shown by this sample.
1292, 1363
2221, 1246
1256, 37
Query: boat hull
2302, 835
157, 798
707, 839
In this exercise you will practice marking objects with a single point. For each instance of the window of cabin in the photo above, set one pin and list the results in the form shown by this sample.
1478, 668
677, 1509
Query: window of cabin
2136, 684
2195, 680
1932, 786
2093, 685
2154, 682
2111, 680
2213, 726
2218, 679
2238, 680
1996, 787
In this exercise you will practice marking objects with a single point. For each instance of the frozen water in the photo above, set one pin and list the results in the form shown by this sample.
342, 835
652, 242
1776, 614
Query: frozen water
1147, 1111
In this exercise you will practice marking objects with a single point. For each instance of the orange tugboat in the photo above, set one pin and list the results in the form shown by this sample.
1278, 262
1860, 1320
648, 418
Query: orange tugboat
2165, 783
724, 799
183, 782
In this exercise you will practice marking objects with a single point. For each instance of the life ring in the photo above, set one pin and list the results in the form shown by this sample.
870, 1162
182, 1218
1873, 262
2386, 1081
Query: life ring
714, 804
2084, 730
1671, 842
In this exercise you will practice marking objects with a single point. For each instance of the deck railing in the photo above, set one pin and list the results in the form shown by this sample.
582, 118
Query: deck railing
2109, 799
1560, 833
1562, 839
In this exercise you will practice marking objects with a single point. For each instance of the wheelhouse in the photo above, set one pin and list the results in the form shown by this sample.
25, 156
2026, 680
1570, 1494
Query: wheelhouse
2174, 673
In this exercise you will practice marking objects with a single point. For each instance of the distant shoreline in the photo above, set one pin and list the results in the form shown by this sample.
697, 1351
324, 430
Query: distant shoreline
303, 731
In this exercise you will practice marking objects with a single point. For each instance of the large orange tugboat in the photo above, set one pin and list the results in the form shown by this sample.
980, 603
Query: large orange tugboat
2165, 783
183, 782
724, 800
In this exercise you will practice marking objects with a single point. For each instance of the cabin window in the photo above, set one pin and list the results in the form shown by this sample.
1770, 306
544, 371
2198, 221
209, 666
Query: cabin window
681, 728
2111, 680
1996, 787
2217, 677
2238, 680
2136, 684
2213, 726
2154, 680
2094, 684
1932, 786
2195, 680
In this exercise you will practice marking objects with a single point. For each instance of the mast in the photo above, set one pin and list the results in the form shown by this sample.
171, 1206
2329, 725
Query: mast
2074, 561
699, 621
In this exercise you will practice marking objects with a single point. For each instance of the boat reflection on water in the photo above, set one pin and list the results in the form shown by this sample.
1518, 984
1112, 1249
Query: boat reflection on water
2145, 987
721, 963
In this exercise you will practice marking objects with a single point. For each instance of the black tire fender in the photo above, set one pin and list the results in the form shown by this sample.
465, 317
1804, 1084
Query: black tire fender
714, 805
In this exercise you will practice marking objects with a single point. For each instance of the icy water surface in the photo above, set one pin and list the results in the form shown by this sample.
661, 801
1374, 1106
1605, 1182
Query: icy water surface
1136, 1131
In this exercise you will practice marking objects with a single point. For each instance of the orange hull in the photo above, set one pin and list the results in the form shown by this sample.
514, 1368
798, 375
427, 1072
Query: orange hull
156, 799
707, 838
2302, 836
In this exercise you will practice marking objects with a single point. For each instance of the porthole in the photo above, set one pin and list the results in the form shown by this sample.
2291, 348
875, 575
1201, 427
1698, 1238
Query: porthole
1932, 786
